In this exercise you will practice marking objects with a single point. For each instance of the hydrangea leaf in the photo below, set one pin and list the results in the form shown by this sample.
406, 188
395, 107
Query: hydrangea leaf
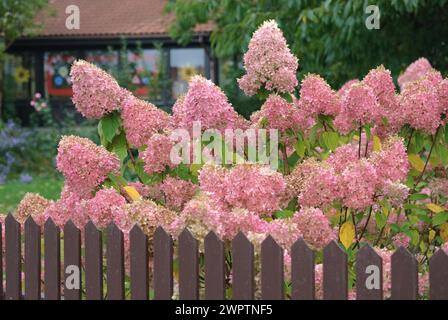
347, 234
416, 162
132, 193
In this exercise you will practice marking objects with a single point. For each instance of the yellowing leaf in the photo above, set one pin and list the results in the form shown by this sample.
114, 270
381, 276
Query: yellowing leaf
444, 232
132, 193
431, 235
434, 208
376, 143
347, 234
416, 162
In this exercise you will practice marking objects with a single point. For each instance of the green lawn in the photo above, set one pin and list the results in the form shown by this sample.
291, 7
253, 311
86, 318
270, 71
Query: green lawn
13, 191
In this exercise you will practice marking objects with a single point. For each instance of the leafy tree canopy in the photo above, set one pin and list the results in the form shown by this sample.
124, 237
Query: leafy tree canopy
17, 19
329, 37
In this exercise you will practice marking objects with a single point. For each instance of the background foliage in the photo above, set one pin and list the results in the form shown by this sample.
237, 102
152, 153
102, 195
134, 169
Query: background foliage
329, 37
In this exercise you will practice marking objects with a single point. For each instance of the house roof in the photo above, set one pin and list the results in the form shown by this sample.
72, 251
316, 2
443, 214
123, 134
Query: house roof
109, 18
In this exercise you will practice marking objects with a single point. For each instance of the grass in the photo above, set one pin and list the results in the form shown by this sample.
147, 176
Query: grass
13, 191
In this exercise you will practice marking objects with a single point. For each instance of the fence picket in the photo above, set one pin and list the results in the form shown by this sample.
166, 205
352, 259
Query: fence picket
302, 271
2, 293
32, 260
93, 262
52, 261
215, 287
188, 266
115, 263
139, 264
72, 262
13, 256
404, 275
335, 272
272, 278
438, 276
163, 265
242, 268
369, 274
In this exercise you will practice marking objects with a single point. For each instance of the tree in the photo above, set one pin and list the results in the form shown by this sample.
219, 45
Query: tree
16, 20
329, 37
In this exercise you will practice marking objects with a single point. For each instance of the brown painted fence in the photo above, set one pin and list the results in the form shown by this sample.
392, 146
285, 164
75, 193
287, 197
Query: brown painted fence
32, 285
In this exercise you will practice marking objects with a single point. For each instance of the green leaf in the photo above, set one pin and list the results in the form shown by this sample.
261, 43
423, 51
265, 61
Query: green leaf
381, 219
440, 218
300, 148
331, 140
283, 214
119, 146
109, 126
418, 196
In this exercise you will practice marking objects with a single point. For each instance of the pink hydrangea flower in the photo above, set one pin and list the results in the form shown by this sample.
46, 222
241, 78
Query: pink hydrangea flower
277, 113
177, 192
419, 102
343, 90
359, 107
95, 92
84, 164
321, 187
391, 162
100, 207
157, 155
268, 62
315, 227
284, 231
205, 103
70, 206
414, 71
317, 97
359, 182
32, 205
342, 157
383, 87
141, 120
401, 240
253, 187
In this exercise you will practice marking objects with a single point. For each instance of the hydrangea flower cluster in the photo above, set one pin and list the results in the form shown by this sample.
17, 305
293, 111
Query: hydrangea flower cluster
95, 92
205, 103
141, 120
84, 164
157, 155
317, 97
414, 71
252, 187
269, 63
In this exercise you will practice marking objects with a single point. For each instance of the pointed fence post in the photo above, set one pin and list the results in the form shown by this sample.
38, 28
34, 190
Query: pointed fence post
188, 267
302, 271
163, 265
404, 275
335, 275
369, 274
272, 271
32, 260
93, 262
115, 263
139, 264
13, 257
52, 261
438, 276
242, 268
72, 262
215, 287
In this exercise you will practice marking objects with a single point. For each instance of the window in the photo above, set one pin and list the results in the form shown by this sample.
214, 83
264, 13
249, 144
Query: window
105, 60
57, 73
19, 76
145, 66
185, 63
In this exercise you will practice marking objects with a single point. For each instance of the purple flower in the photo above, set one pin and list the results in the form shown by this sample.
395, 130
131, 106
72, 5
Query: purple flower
25, 178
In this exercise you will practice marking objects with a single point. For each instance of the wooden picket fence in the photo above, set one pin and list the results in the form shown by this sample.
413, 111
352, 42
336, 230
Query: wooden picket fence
335, 270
